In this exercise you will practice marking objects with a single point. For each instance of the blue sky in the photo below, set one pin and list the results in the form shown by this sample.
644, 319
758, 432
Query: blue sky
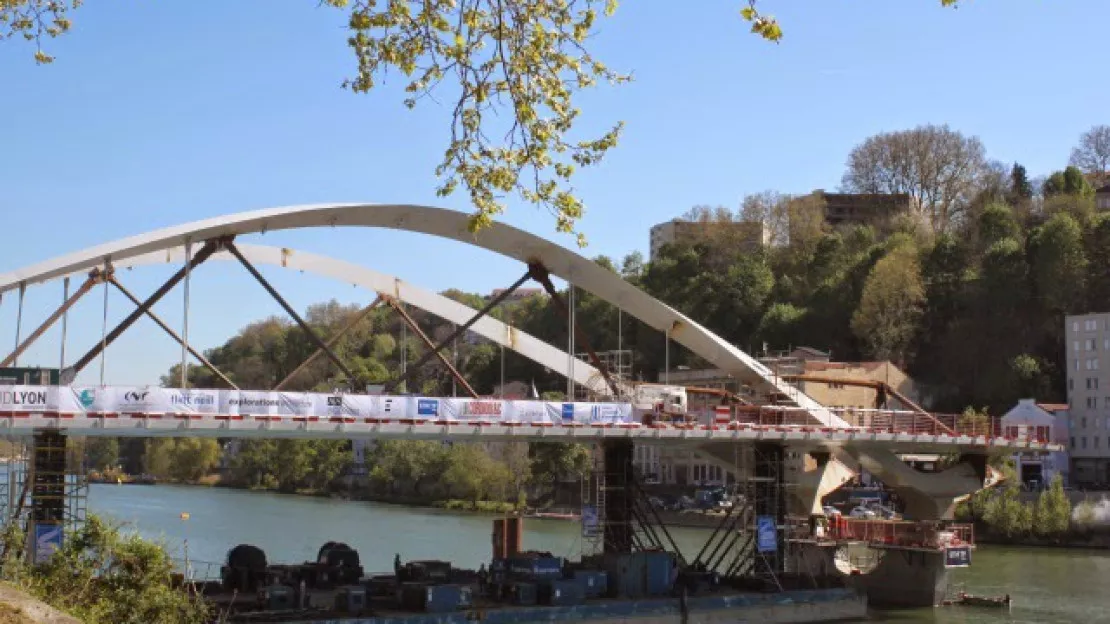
158, 113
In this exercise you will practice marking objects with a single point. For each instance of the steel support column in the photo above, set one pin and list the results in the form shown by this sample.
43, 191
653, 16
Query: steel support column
331, 342
166, 328
460, 330
93, 279
542, 276
209, 248
428, 343
312, 335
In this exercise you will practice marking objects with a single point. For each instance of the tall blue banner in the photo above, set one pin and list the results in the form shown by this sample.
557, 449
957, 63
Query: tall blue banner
589, 521
766, 537
48, 538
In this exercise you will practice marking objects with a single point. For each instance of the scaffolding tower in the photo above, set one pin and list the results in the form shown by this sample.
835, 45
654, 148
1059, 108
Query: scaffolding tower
44, 491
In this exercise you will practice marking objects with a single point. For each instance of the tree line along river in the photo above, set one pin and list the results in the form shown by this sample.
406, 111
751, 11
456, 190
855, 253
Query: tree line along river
1049, 585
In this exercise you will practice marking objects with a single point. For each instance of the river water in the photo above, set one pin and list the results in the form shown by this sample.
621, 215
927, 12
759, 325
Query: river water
1049, 586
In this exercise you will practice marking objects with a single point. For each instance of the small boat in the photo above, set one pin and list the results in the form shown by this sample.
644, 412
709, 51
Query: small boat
969, 600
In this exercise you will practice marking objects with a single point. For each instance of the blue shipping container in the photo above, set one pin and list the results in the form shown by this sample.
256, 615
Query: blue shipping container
595, 583
562, 592
659, 573
434, 598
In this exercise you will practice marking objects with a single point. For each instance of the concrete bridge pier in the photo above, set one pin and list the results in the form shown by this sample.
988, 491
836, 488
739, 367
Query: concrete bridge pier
890, 578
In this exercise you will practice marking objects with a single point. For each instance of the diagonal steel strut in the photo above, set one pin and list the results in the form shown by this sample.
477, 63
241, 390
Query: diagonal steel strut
312, 335
209, 248
93, 279
541, 275
331, 342
428, 343
460, 330
166, 328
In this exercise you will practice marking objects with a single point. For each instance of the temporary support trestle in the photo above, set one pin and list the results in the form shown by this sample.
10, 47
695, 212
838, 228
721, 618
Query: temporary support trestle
311, 333
205, 252
428, 343
93, 279
111, 278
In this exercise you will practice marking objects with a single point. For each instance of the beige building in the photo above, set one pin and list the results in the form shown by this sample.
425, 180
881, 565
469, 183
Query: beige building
751, 235
1102, 197
842, 395
1087, 359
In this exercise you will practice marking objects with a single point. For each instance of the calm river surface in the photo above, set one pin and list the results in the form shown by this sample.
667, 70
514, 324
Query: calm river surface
1049, 586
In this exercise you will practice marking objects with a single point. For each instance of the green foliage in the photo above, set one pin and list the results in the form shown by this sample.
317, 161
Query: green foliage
977, 420
103, 576
181, 459
102, 453
1070, 181
1052, 514
890, 308
289, 465
1007, 515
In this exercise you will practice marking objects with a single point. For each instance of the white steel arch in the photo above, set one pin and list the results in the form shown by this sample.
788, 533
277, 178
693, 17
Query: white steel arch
444, 307
499, 238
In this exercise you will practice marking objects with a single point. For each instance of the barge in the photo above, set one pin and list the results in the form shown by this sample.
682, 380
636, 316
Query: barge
647, 587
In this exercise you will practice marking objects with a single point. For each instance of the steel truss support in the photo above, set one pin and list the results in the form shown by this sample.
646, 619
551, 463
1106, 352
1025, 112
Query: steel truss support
428, 343
541, 275
111, 278
331, 342
460, 330
312, 335
205, 252
93, 279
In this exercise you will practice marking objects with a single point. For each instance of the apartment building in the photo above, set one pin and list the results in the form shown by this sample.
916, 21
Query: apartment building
1087, 359
875, 209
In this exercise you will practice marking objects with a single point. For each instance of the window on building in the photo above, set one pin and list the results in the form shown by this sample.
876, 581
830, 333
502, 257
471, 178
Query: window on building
1091, 325
1076, 364
1042, 434
1089, 345
1083, 422
1072, 441
1083, 442
1075, 346
1088, 380
1095, 362
1075, 325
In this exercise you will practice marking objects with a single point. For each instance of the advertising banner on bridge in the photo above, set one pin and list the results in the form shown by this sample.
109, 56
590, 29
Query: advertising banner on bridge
157, 401
38, 399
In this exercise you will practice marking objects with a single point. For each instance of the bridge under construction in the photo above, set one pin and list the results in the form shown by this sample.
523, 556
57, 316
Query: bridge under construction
786, 449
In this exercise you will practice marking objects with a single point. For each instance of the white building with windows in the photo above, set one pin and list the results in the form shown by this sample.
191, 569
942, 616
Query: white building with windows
1041, 422
1087, 358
